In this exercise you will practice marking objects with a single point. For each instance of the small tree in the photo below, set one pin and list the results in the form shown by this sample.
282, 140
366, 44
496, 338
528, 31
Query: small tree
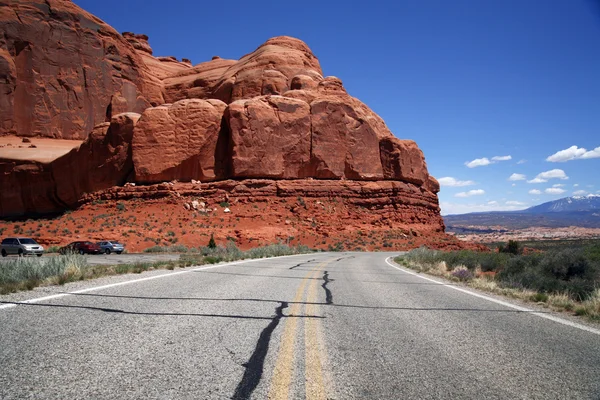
211, 243
512, 247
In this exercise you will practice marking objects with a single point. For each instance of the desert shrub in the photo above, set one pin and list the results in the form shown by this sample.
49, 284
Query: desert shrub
462, 273
211, 243
512, 247
423, 255
35, 270
592, 252
493, 261
52, 249
467, 258
178, 248
567, 271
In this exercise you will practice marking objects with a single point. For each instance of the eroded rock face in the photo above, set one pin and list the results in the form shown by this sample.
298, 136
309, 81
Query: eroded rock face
267, 70
102, 161
266, 126
138, 41
270, 138
178, 141
63, 71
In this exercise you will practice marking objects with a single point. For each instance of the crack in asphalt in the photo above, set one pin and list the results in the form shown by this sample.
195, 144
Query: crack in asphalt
300, 264
254, 366
328, 294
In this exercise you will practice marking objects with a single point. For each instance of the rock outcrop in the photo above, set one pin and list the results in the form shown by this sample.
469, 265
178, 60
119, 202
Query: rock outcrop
63, 71
178, 141
102, 161
266, 126
267, 70
270, 137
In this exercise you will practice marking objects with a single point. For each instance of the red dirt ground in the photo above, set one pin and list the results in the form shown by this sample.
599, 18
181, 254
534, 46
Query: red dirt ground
322, 223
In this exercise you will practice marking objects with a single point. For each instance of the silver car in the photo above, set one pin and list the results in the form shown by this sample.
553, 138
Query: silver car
111, 247
21, 247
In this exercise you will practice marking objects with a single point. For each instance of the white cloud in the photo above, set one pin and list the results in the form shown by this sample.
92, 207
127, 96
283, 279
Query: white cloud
574, 153
575, 185
537, 180
554, 191
591, 154
558, 185
452, 182
517, 177
514, 184
535, 191
481, 162
580, 193
521, 161
552, 174
492, 203
514, 203
474, 192
478, 162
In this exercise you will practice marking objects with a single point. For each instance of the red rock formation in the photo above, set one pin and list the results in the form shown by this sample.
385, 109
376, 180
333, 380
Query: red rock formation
270, 138
178, 141
64, 71
138, 41
197, 82
270, 115
102, 161
267, 70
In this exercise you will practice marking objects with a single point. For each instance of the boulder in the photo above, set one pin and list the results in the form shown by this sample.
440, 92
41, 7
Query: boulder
270, 137
403, 160
64, 71
343, 144
178, 141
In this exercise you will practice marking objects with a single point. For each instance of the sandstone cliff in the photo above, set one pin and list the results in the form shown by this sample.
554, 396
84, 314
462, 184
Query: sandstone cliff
270, 116
63, 71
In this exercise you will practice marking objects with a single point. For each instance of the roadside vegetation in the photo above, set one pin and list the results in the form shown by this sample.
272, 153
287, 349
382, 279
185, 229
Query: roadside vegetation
566, 279
26, 273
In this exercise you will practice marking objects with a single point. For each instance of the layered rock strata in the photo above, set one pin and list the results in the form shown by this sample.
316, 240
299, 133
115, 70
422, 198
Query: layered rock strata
269, 124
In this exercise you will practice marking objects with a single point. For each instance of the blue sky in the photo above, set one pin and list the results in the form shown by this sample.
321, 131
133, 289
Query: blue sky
466, 79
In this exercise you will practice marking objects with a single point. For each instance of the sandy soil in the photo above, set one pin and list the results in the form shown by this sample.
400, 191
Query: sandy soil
45, 150
322, 223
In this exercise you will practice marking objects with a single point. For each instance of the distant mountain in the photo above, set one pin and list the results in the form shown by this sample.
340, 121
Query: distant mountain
576, 203
582, 211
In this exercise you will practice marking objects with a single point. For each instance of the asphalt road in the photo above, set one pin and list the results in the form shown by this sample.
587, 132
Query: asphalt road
327, 325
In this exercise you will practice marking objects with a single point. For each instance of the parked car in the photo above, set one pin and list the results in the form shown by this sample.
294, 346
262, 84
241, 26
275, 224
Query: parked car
21, 247
110, 246
81, 247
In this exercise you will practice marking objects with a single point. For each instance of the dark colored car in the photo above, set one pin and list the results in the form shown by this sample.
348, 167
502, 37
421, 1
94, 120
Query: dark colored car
81, 247
21, 247
111, 246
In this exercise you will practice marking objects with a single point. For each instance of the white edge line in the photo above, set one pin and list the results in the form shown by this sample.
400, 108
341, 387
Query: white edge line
149, 278
504, 303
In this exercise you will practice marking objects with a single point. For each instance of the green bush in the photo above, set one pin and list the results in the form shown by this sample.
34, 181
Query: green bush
573, 271
35, 270
211, 243
567, 271
513, 247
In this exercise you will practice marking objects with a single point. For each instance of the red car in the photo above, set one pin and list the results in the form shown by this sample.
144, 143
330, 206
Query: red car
82, 247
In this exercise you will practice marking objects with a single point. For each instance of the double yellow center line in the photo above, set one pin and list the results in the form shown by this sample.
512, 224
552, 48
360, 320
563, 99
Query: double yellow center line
284, 366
